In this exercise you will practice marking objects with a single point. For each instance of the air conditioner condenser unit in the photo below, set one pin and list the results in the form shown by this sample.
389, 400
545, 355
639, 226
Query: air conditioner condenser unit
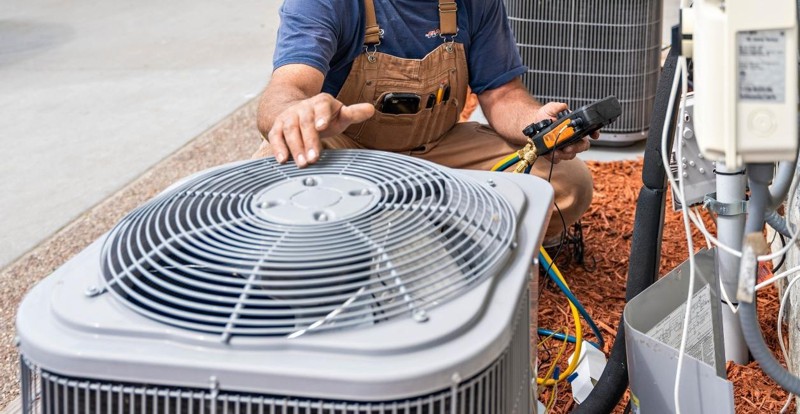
368, 283
578, 52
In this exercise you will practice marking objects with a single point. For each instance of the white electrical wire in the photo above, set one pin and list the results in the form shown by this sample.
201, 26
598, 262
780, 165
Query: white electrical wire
786, 273
688, 228
676, 189
780, 332
786, 406
689, 215
701, 226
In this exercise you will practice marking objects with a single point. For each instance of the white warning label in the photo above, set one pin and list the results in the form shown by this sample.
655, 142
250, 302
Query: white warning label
762, 65
700, 341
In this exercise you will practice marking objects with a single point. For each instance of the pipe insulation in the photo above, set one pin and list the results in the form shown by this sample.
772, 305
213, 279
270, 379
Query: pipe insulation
646, 242
759, 176
780, 185
777, 222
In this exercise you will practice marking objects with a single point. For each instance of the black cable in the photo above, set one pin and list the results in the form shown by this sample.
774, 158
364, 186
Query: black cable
644, 258
576, 247
560, 215
783, 257
740, 172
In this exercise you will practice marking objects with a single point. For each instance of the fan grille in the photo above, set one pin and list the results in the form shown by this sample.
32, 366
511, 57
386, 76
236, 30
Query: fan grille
262, 249
581, 51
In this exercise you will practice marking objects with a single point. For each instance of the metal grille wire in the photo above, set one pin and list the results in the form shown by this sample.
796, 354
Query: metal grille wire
202, 257
502, 388
581, 51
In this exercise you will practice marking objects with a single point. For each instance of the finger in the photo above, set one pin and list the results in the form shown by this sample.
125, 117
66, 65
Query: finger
277, 142
595, 134
353, 114
577, 147
553, 108
324, 107
309, 134
294, 139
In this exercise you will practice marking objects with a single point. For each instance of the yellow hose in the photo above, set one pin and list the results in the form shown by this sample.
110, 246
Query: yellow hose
576, 317
503, 161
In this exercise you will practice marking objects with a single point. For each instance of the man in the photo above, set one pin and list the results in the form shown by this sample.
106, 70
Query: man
342, 66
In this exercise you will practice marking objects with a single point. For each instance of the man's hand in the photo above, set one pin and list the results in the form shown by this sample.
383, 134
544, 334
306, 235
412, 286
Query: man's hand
510, 107
550, 111
298, 129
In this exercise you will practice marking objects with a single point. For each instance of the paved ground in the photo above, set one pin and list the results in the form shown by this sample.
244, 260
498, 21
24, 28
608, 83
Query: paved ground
235, 138
95, 93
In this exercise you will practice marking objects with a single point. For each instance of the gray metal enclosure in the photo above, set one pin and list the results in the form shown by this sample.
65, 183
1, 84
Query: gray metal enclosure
373, 283
581, 51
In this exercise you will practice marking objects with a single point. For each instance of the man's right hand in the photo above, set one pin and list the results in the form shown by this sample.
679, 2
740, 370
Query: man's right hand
298, 129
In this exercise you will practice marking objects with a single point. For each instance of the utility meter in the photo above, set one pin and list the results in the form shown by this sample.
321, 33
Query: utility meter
745, 79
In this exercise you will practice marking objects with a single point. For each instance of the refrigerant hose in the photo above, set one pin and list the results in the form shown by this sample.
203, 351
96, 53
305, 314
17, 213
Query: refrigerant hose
759, 176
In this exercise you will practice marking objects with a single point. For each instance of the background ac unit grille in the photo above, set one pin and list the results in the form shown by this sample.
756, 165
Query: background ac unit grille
500, 388
581, 51
261, 249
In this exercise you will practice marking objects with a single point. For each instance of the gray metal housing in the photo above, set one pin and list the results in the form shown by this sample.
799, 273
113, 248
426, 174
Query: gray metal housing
652, 363
581, 51
73, 334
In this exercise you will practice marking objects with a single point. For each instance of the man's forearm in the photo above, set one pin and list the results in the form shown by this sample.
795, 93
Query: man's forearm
289, 85
274, 101
509, 109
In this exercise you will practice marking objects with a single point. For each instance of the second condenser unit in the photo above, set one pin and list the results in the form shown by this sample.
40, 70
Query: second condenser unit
581, 51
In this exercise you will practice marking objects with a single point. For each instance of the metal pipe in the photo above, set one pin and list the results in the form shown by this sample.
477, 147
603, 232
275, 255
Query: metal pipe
730, 230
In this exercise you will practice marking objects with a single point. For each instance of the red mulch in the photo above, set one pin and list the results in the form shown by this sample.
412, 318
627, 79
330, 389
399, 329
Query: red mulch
607, 230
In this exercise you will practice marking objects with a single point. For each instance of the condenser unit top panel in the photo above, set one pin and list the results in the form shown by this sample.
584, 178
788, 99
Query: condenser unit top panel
263, 249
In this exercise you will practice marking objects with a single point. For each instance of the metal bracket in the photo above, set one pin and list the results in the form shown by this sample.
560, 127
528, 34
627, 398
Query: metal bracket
710, 203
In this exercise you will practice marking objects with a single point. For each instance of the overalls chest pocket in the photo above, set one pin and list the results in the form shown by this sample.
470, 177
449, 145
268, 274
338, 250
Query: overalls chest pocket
406, 132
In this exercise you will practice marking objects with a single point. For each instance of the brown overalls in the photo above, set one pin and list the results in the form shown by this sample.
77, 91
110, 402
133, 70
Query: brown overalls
433, 133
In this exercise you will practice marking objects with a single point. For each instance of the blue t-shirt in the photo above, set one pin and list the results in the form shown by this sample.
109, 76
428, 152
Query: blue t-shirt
329, 35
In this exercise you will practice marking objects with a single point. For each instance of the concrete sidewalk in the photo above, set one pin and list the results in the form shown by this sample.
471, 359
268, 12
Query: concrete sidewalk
95, 93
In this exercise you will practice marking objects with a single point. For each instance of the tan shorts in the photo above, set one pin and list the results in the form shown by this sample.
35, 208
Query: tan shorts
473, 146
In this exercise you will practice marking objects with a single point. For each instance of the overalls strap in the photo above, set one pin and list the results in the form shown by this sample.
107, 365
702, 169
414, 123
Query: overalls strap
448, 24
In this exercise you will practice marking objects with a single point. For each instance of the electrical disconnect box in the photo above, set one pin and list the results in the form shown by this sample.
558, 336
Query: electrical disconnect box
745, 75
697, 172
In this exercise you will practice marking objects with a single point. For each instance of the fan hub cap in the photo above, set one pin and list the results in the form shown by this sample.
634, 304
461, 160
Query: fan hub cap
321, 198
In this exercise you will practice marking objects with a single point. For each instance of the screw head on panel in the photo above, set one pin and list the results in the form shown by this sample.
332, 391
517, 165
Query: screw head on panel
420, 315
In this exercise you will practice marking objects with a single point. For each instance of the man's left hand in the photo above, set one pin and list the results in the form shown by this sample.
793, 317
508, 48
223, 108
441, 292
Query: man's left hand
550, 111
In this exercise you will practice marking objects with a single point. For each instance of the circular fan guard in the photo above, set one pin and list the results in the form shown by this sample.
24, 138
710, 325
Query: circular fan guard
359, 238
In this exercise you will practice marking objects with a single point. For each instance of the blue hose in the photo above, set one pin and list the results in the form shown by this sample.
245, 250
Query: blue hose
560, 336
575, 302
